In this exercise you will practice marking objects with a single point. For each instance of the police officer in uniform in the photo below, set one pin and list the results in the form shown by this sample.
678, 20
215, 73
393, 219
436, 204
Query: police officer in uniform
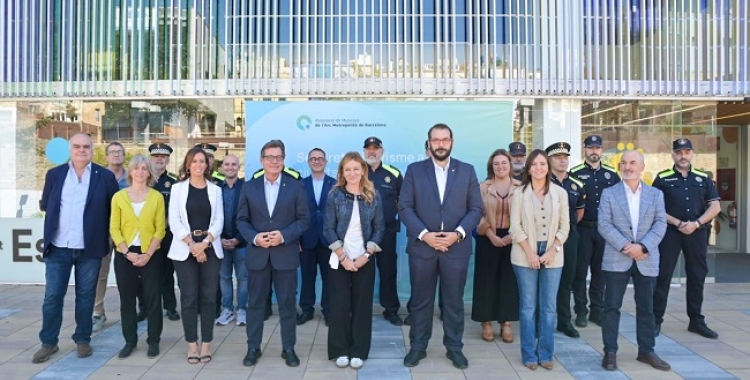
559, 154
595, 177
387, 180
518, 159
691, 202
210, 149
164, 180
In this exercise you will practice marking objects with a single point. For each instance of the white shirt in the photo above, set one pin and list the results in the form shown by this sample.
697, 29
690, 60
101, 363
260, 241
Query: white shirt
441, 177
271, 189
354, 244
137, 208
318, 188
634, 205
69, 232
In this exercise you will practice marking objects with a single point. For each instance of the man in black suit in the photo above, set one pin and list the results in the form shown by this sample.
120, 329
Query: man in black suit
439, 204
272, 215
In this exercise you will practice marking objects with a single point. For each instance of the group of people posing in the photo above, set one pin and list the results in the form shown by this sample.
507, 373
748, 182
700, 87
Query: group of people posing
539, 230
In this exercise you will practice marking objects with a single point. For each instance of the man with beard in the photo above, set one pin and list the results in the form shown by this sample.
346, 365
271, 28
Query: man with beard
164, 180
595, 177
518, 159
558, 154
439, 204
387, 180
692, 202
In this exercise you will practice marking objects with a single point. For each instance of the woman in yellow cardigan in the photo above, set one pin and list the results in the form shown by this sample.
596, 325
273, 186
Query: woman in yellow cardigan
137, 226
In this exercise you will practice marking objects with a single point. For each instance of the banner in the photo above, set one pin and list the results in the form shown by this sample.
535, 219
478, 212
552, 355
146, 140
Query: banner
337, 127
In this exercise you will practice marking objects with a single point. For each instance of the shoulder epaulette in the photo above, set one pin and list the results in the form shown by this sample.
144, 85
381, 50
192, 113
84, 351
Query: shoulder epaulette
608, 167
576, 181
665, 173
391, 169
699, 172
218, 175
172, 175
291, 172
258, 173
577, 167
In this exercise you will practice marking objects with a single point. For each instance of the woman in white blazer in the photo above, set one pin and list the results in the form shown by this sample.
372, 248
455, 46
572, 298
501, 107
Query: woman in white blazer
539, 225
196, 218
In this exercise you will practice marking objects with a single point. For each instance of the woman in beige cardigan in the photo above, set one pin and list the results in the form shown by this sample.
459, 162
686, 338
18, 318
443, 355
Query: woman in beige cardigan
539, 225
495, 288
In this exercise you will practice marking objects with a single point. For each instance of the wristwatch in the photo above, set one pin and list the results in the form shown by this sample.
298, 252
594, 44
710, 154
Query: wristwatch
460, 237
698, 224
368, 255
643, 248
557, 248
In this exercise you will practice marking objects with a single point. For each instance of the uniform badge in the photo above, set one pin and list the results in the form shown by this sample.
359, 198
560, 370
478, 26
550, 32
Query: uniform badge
387, 180
698, 179
607, 175
682, 141
574, 187
167, 184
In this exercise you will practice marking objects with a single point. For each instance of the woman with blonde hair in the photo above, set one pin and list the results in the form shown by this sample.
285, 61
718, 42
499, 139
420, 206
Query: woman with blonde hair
137, 226
354, 223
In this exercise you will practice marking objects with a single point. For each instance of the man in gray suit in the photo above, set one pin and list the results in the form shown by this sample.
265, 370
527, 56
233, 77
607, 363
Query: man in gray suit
632, 221
271, 216
439, 205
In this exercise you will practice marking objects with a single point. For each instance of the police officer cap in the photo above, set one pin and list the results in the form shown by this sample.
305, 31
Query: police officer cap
516, 148
208, 148
681, 144
372, 140
159, 149
558, 148
593, 141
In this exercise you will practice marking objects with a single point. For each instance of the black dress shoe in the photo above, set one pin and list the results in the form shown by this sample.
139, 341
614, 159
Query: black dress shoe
304, 317
153, 350
172, 315
569, 330
581, 320
141, 316
458, 359
126, 351
703, 330
394, 319
407, 320
657, 329
595, 319
290, 358
653, 360
251, 358
413, 357
610, 361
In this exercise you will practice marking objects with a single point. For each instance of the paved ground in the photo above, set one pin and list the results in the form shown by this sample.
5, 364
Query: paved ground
727, 308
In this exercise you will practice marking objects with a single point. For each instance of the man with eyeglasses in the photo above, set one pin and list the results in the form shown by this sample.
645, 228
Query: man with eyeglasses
271, 216
287, 171
77, 199
116, 164
315, 252
387, 180
439, 204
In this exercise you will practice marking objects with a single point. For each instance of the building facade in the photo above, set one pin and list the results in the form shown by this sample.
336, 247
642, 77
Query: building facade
641, 73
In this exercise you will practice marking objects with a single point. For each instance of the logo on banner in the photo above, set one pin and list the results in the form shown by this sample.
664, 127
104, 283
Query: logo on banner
304, 122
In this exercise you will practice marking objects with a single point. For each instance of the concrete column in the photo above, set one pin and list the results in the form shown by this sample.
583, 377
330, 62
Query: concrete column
557, 120
743, 191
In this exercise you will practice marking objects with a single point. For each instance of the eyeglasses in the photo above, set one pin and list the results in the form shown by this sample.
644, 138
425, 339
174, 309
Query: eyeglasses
116, 153
444, 141
316, 160
273, 158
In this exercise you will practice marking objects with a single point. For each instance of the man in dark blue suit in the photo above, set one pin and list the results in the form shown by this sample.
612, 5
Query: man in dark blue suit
439, 204
77, 199
272, 215
315, 251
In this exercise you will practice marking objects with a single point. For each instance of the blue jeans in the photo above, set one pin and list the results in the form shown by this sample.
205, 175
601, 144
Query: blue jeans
233, 259
57, 267
537, 287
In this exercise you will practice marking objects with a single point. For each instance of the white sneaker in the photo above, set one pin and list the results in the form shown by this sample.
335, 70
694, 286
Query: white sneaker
98, 322
241, 317
225, 317
357, 363
342, 362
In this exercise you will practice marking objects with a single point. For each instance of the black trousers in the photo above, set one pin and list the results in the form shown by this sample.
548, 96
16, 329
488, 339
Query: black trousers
259, 286
167, 281
616, 284
387, 261
198, 281
570, 267
590, 252
495, 295
131, 281
310, 261
449, 271
694, 247
350, 333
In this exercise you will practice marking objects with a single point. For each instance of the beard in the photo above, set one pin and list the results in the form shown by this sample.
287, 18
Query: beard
372, 161
594, 158
517, 168
440, 154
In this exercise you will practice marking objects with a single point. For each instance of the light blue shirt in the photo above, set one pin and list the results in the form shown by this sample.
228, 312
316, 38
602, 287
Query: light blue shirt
122, 182
272, 192
72, 204
318, 188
